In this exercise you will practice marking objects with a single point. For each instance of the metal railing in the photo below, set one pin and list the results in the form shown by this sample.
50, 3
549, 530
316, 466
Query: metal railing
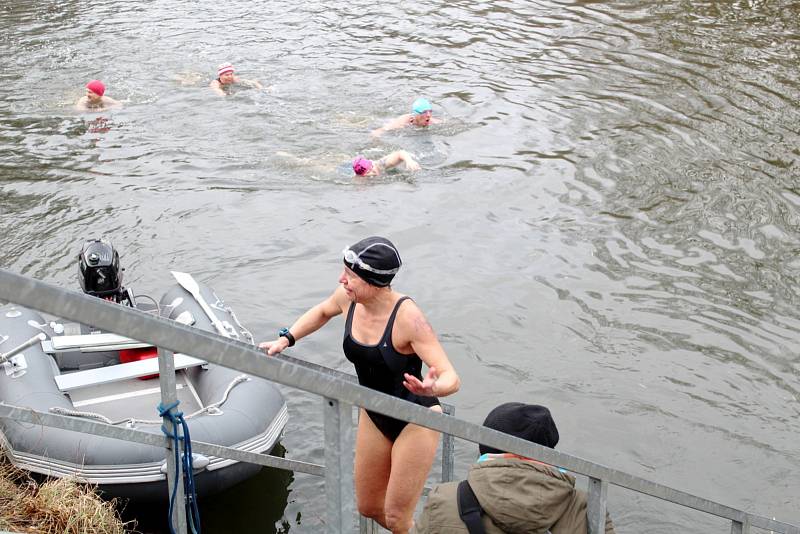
339, 397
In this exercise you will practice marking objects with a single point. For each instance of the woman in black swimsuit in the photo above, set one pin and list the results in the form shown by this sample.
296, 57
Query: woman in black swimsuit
387, 338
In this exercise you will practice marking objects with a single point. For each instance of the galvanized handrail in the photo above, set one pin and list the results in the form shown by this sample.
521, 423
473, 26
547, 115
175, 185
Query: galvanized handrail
339, 395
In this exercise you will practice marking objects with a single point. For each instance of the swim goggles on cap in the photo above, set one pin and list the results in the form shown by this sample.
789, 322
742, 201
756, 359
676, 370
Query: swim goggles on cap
353, 259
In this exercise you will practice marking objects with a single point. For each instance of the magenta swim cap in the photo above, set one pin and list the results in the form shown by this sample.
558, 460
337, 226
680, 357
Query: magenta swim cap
97, 87
362, 165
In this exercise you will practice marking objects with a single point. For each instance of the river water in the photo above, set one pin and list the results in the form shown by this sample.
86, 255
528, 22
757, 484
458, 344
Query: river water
606, 221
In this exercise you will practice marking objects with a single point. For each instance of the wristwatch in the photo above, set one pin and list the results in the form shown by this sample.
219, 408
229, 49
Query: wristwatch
284, 332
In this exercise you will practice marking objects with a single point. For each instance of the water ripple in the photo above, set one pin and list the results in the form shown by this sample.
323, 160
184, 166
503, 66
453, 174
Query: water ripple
606, 220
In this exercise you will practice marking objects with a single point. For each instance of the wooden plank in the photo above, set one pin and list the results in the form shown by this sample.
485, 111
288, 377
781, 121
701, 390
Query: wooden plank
122, 371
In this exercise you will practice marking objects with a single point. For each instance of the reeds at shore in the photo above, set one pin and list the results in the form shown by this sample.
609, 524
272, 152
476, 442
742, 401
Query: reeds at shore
55, 506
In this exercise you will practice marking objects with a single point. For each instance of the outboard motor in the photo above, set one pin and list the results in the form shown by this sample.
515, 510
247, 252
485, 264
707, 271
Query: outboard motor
99, 272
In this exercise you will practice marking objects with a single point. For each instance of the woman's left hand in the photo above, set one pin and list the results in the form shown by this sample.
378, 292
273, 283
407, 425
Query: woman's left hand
425, 387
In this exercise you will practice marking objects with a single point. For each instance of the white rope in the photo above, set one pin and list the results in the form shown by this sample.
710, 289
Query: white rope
132, 421
215, 406
75, 413
242, 329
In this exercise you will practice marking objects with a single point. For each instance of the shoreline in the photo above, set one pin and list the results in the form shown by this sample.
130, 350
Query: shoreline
54, 505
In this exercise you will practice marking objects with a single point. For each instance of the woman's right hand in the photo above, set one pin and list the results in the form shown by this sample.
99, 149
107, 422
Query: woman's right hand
274, 347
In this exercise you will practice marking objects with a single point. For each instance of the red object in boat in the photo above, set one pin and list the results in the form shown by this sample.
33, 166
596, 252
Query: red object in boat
135, 355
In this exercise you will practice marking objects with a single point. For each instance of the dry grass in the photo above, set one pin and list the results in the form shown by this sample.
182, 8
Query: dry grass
56, 506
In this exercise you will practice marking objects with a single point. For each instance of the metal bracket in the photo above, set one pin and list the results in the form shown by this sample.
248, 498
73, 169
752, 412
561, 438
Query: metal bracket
16, 366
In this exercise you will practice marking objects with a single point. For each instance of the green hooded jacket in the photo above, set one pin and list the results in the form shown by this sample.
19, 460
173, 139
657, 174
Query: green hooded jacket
517, 496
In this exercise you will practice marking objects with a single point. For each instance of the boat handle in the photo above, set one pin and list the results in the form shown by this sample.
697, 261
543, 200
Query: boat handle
16, 350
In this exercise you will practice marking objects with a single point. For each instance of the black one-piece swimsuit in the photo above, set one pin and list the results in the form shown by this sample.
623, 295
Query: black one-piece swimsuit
381, 367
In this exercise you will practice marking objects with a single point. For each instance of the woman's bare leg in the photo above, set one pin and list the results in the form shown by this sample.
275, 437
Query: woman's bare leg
373, 465
411, 459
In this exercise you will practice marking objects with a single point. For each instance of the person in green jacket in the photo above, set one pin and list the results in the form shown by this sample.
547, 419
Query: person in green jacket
517, 494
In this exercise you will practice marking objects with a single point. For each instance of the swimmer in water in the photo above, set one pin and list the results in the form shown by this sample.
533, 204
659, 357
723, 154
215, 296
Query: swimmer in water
226, 78
367, 167
421, 115
95, 99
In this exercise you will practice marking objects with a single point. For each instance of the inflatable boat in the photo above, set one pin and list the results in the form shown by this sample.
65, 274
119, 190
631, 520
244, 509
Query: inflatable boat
76, 371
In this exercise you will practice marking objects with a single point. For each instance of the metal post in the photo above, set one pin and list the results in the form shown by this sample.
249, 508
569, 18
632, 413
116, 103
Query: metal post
367, 526
169, 394
339, 447
448, 448
741, 527
596, 507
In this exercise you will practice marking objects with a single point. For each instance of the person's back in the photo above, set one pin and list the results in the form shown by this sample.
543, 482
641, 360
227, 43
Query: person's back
517, 495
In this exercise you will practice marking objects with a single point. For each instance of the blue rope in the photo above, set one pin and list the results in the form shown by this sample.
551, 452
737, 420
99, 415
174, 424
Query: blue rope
185, 463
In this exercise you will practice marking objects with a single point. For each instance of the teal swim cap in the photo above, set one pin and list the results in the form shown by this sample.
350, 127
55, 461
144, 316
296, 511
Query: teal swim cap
421, 105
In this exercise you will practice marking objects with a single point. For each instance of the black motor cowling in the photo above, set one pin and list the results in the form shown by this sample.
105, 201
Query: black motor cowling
99, 272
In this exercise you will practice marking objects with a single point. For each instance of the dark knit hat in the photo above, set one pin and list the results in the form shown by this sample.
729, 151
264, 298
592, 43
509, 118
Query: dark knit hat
374, 259
527, 421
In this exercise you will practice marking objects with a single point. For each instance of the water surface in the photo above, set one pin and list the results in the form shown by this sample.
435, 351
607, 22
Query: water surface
606, 221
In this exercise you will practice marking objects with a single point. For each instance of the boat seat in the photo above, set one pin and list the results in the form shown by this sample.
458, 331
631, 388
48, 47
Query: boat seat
119, 372
90, 343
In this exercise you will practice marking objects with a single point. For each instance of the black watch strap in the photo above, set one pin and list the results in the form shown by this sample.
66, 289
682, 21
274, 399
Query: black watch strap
288, 335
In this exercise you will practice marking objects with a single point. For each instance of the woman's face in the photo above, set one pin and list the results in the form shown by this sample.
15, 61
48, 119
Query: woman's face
355, 287
226, 78
423, 119
92, 96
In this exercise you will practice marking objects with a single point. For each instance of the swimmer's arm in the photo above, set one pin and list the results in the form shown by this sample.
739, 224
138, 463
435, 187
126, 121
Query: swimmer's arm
81, 104
311, 321
252, 83
110, 103
215, 86
441, 379
397, 157
395, 124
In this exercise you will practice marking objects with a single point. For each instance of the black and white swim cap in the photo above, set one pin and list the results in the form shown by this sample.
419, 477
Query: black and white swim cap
374, 259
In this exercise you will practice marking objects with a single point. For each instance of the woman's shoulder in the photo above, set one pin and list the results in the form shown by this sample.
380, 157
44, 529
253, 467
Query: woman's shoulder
412, 323
407, 308
380, 165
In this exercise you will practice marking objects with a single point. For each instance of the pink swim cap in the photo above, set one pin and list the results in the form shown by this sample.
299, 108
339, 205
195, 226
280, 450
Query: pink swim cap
361, 165
224, 68
97, 87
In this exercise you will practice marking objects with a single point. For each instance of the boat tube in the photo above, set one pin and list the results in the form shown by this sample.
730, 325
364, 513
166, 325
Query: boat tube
105, 377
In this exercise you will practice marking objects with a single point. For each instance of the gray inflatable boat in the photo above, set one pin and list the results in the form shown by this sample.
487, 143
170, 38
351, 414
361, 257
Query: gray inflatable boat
109, 378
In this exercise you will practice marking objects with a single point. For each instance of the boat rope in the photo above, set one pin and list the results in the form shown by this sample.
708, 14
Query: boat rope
242, 329
155, 311
215, 406
183, 462
58, 410
212, 409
